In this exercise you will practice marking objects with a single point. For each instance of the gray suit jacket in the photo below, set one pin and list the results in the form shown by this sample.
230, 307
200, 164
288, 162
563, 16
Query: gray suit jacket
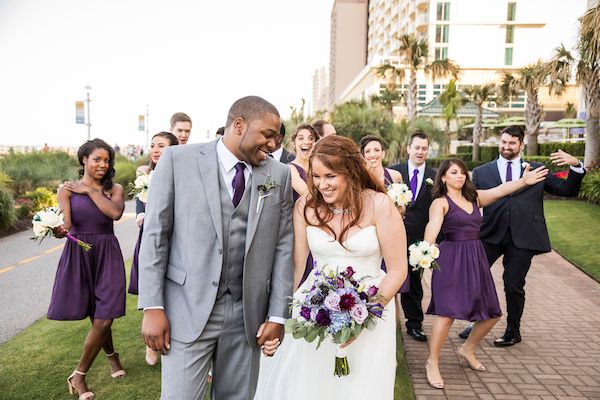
181, 251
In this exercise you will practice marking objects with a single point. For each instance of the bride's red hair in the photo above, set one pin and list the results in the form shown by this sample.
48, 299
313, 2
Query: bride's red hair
342, 156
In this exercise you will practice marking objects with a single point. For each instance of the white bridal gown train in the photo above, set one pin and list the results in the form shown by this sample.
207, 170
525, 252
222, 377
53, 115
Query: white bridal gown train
298, 371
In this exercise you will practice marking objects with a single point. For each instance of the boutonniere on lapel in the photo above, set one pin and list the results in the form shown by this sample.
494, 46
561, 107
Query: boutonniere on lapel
429, 182
265, 190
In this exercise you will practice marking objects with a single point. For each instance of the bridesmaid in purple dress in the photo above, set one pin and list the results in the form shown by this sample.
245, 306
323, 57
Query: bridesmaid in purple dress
463, 288
159, 142
372, 149
91, 284
303, 140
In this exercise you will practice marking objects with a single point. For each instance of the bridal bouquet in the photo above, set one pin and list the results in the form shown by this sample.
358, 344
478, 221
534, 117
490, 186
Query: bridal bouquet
46, 220
400, 194
336, 305
422, 255
139, 187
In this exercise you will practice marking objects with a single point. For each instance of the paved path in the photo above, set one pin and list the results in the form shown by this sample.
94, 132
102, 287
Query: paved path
27, 272
559, 357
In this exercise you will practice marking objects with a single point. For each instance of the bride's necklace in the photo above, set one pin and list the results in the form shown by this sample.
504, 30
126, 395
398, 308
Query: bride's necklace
339, 211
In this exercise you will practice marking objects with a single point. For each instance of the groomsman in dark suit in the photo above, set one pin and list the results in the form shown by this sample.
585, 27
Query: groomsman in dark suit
419, 178
515, 225
281, 154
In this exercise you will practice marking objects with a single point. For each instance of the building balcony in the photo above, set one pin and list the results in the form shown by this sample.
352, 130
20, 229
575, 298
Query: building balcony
422, 4
422, 22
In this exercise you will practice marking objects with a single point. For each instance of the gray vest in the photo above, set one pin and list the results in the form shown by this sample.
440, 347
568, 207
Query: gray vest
234, 223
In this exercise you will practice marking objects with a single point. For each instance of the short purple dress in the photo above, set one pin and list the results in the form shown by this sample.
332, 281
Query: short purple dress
405, 288
89, 284
133, 276
463, 287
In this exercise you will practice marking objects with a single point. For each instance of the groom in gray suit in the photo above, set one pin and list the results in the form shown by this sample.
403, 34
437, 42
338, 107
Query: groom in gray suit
216, 256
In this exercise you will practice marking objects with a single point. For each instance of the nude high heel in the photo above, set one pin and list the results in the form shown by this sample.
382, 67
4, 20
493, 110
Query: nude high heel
73, 389
460, 352
120, 373
434, 384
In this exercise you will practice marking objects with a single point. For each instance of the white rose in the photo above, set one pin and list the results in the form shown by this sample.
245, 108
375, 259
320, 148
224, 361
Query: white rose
143, 196
414, 261
50, 217
141, 181
39, 229
435, 252
424, 246
425, 263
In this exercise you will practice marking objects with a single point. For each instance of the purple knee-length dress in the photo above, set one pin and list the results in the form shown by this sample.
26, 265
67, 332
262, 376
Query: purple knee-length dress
133, 276
463, 287
89, 284
405, 288
296, 196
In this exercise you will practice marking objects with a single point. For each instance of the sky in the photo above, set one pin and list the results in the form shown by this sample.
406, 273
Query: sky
196, 57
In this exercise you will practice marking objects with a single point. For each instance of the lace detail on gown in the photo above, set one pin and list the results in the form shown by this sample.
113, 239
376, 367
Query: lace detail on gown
299, 371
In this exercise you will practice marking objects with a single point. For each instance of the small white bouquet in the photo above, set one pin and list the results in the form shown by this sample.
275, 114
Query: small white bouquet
139, 187
422, 255
400, 194
46, 220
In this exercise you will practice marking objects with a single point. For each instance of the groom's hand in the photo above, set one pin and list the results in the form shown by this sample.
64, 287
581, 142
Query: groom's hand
269, 334
156, 330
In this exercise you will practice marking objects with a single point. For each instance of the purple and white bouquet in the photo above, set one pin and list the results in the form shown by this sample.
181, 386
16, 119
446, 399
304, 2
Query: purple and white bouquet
46, 220
337, 305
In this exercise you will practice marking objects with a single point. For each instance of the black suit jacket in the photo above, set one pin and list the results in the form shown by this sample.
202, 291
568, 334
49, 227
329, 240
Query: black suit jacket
286, 157
523, 211
417, 213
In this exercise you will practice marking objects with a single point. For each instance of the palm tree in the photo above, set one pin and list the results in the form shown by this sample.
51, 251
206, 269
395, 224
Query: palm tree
414, 55
387, 99
451, 99
479, 95
588, 75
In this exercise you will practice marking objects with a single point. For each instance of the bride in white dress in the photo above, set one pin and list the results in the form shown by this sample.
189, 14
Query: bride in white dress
346, 219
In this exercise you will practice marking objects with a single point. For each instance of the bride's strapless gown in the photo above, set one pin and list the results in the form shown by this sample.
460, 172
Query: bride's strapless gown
299, 371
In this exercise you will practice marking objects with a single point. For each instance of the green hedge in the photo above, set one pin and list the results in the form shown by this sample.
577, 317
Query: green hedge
590, 187
8, 214
124, 174
435, 162
488, 153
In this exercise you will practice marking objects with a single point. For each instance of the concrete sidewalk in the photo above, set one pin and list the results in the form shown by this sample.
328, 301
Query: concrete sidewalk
559, 357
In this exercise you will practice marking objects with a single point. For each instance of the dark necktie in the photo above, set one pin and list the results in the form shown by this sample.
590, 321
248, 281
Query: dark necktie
413, 184
239, 183
509, 171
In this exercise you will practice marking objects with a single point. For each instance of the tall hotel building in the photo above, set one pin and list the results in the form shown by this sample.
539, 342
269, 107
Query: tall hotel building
484, 37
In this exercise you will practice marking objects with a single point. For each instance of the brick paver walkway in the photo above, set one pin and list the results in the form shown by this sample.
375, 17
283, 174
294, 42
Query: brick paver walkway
559, 357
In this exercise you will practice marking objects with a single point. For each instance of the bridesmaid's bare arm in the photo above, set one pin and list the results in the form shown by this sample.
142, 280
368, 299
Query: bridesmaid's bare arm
437, 212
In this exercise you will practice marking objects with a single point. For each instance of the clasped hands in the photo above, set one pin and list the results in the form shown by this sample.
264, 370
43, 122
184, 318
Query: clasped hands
156, 332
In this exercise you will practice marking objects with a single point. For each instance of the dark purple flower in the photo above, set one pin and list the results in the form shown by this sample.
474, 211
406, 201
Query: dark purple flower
347, 301
317, 299
324, 289
323, 317
372, 291
340, 283
305, 313
375, 309
363, 296
353, 283
349, 272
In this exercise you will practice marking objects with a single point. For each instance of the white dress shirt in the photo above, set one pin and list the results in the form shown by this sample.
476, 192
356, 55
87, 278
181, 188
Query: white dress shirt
227, 162
278, 153
420, 176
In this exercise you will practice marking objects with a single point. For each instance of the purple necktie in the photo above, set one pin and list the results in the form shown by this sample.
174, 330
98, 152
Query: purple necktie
509, 171
413, 184
239, 183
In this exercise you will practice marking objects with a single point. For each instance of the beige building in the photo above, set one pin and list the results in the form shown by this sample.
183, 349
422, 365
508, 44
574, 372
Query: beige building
320, 93
348, 44
484, 37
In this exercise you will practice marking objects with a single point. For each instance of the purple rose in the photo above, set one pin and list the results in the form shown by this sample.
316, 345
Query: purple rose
332, 301
323, 317
349, 272
347, 301
340, 283
305, 313
372, 291
359, 313
375, 309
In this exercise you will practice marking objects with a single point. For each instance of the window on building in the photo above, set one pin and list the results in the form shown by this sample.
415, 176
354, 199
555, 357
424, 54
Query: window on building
510, 34
442, 33
441, 53
443, 11
508, 56
511, 11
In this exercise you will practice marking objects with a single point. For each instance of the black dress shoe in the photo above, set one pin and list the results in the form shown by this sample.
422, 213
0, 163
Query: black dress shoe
466, 332
417, 334
505, 341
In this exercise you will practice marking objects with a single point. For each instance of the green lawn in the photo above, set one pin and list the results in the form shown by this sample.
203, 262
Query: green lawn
574, 227
36, 363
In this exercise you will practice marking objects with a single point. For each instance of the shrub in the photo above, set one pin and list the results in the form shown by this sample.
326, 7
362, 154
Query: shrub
124, 174
42, 198
32, 170
8, 215
486, 153
590, 187
576, 149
